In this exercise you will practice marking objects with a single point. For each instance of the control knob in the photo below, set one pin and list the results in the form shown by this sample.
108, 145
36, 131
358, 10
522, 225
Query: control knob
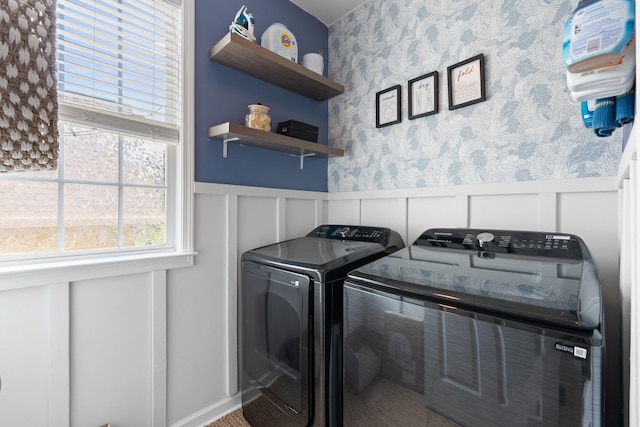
343, 231
485, 239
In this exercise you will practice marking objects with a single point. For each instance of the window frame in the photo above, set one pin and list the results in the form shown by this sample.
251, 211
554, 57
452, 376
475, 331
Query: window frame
36, 270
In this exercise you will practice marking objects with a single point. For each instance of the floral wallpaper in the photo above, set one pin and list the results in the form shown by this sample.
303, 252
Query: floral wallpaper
528, 129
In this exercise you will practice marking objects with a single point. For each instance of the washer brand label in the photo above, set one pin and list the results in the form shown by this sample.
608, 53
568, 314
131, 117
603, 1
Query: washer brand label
579, 352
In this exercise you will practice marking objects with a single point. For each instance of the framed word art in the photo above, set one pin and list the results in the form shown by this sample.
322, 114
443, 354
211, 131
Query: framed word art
466, 82
388, 106
423, 95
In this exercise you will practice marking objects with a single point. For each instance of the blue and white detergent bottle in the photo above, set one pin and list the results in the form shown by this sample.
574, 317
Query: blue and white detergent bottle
619, 75
598, 34
603, 92
277, 38
604, 82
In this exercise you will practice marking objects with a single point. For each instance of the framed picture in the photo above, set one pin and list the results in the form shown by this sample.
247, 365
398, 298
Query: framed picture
423, 95
388, 106
466, 82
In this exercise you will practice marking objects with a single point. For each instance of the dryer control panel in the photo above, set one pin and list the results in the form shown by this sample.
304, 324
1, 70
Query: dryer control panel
504, 241
353, 232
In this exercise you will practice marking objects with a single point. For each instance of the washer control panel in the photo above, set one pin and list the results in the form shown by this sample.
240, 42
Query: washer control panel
504, 241
352, 232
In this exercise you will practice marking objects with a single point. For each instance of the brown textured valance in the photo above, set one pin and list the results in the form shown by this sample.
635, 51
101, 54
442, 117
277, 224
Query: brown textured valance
28, 96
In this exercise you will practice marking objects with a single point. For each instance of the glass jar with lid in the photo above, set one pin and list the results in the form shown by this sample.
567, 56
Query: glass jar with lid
258, 117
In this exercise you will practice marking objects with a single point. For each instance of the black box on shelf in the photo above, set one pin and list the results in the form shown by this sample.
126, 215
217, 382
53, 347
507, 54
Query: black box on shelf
300, 130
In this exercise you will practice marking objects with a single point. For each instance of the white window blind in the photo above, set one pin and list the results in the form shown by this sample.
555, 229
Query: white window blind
119, 66
122, 184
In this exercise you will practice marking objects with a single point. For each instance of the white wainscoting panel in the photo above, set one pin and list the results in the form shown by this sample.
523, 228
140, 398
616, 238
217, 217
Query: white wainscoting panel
159, 348
258, 222
24, 357
301, 216
343, 211
583, 214
60, 362
629, 202
111, 342
391, 213
521, 206
445, 211
594, 217
197, 321
85, 353
504, 211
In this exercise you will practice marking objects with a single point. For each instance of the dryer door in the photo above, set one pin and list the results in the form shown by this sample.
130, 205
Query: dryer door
275, 345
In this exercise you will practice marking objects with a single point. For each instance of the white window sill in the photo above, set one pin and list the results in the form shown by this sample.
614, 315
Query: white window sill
46, 273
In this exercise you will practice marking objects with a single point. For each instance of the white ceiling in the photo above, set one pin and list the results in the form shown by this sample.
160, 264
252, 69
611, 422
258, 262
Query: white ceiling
328, 11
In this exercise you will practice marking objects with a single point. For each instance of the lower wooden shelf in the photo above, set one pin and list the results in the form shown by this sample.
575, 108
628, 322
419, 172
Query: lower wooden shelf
233, 132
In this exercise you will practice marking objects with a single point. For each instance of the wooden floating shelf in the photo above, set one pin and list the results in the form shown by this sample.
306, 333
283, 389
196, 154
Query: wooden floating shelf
233, 132
250, 58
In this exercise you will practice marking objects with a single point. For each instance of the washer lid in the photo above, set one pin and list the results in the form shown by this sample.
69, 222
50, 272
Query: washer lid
562, 291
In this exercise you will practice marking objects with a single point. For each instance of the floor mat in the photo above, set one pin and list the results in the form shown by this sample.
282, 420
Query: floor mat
233, 419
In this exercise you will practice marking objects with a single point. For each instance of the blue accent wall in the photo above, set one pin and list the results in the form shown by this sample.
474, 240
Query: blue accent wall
223, 94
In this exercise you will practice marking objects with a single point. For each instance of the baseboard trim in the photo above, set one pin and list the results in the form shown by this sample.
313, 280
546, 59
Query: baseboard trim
211, 413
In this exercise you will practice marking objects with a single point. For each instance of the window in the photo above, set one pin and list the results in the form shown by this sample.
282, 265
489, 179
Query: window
118, 182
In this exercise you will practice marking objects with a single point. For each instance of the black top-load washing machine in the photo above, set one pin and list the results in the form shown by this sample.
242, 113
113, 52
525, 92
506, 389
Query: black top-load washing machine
290, 322
476, 328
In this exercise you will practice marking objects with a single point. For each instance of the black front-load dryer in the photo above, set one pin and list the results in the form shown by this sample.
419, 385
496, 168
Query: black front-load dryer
290, 322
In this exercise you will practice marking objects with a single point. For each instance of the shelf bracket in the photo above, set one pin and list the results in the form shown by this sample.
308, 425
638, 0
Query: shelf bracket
224, 145
302, 156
